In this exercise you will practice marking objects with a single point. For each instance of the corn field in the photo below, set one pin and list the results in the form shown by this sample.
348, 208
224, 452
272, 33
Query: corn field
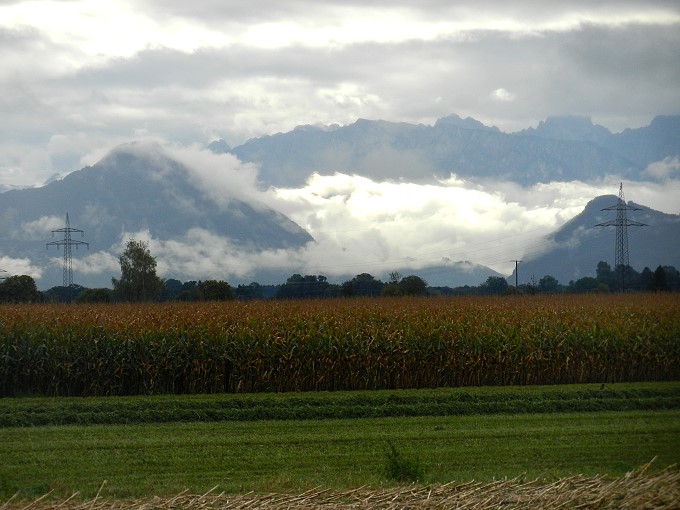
330, 345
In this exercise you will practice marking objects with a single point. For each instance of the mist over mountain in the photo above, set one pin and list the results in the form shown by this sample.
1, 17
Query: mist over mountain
198, 226
137, 189
559, 149
454, 203
574, 250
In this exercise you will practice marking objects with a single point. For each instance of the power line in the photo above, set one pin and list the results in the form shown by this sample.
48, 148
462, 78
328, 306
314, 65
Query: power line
67, 242
517, 273
621, 262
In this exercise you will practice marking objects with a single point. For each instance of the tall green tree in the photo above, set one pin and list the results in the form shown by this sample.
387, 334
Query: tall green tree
408, 286
659, 281
214, 290
138, 281
646, 279
251, 291
171, 287
605, 275
362, 284
672, 278
413, 286
585, 284
548, 285
61, 294
494, 285
306, 287
100, 295
19, 289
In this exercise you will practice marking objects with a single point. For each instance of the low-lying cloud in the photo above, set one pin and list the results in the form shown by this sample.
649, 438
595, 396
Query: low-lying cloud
358, 224
365, 225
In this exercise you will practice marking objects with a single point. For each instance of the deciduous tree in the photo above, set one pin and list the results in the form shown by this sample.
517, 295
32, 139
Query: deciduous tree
214, 290
138, 281
494, 285
548, 285
19, 289
362, 284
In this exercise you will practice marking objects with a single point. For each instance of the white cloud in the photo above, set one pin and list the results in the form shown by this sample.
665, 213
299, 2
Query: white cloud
189, 73
382, 223
660, 196
666, 169
360, 222
502, 95
19, 266
36, 229
93, 28
220, 176
95, 263
24, 164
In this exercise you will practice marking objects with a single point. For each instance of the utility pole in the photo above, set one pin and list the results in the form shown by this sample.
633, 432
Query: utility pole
621, 223
67, 243
517, 274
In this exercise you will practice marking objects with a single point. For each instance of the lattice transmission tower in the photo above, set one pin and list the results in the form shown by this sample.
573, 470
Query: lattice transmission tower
67, 242
621, 262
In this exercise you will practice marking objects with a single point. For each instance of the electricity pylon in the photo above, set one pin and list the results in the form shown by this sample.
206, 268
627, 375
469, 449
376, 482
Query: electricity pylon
621, 223
67, 243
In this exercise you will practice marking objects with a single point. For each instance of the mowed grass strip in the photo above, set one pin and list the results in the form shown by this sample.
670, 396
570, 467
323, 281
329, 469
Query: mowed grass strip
337, 405
288, 456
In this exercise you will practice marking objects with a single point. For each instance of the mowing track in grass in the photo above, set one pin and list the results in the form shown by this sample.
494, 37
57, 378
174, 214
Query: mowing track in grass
288, 456
337, 405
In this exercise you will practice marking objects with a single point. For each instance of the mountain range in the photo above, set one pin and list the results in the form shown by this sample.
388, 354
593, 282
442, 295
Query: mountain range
558, 149
141, 187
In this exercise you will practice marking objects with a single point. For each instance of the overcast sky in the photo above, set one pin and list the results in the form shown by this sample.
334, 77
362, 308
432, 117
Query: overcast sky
79, 77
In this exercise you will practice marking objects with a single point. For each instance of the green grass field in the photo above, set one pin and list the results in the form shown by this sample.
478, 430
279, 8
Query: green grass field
142, 459
138, 401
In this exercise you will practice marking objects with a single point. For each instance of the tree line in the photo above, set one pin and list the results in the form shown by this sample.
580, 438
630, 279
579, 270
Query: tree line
139, 282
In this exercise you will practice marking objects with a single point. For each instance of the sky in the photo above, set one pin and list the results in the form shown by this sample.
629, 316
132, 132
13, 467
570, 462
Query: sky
79, 77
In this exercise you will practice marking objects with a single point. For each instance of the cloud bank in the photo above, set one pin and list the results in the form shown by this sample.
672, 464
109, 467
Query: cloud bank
364, 225
359, 224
